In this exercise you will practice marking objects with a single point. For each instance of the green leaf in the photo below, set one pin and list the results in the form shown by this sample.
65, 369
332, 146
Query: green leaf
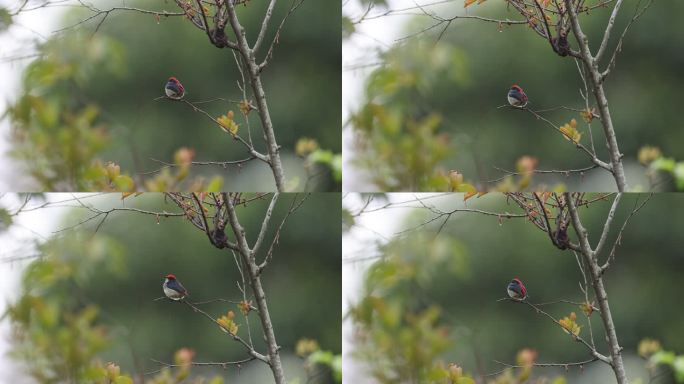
678, 366
5, 219
465, 187
124, 183
216, 380
347, 27
215, 184
347, 220
336, 366
465, 380
336, 167
123, 380
678, 173
5, 19
663, 357
663, 164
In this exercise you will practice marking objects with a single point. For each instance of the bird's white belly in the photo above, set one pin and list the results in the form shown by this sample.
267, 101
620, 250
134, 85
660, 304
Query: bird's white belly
515, 102
513, 294
171, 294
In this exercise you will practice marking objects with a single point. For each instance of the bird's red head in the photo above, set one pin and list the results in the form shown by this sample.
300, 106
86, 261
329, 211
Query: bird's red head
173, 79
514, 279
171, 276
516, 87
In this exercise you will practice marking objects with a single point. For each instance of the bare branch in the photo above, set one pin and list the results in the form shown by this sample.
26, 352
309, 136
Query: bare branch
596, 354
606, 225
250, 148
264, 225
589, 256
560, 172
579, 364
609, 28
618, 238
259, 293
264, 25
597, 87
235, 337
223, 364
293, 208
257, 88
618, 47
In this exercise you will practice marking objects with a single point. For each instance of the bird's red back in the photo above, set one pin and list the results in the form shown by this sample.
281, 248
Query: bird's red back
522, 286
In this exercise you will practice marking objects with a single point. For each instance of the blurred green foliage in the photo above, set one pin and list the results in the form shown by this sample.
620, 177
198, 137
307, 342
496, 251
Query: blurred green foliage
55, 329
398, 136
401, 333
55, 134
657, 357
664, 172
90, 297
319, 363
5, 19
473, 136
119, 71
458, 273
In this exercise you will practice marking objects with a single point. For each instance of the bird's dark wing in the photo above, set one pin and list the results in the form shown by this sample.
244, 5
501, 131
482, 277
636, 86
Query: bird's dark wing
182, 289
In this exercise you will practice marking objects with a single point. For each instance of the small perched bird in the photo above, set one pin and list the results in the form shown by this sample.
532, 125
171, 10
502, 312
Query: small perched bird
516, 290
173, 289
517, 97
174, 89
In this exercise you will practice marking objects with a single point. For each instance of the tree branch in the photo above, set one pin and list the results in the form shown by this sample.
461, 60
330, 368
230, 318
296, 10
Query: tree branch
252, 352
596, 354
257, 88
597, 87
259, 293
609, 28
264, 225
601, 295
606, 226
264, 25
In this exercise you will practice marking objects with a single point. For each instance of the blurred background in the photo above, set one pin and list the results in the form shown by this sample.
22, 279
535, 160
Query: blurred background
73, 298
75, 96
417, 105
419, 300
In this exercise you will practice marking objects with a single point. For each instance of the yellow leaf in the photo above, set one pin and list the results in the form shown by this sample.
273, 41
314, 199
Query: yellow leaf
127, 194
588, 114
305, 347
226, 322
569, 325
570, 131
468, 2
648, 154
468, 195
245, 307
245, 106
227, 123
305, 146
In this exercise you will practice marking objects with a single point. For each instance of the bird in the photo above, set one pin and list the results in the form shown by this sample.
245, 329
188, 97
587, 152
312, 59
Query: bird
174, 89
517, 97
173, 289
516, 290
